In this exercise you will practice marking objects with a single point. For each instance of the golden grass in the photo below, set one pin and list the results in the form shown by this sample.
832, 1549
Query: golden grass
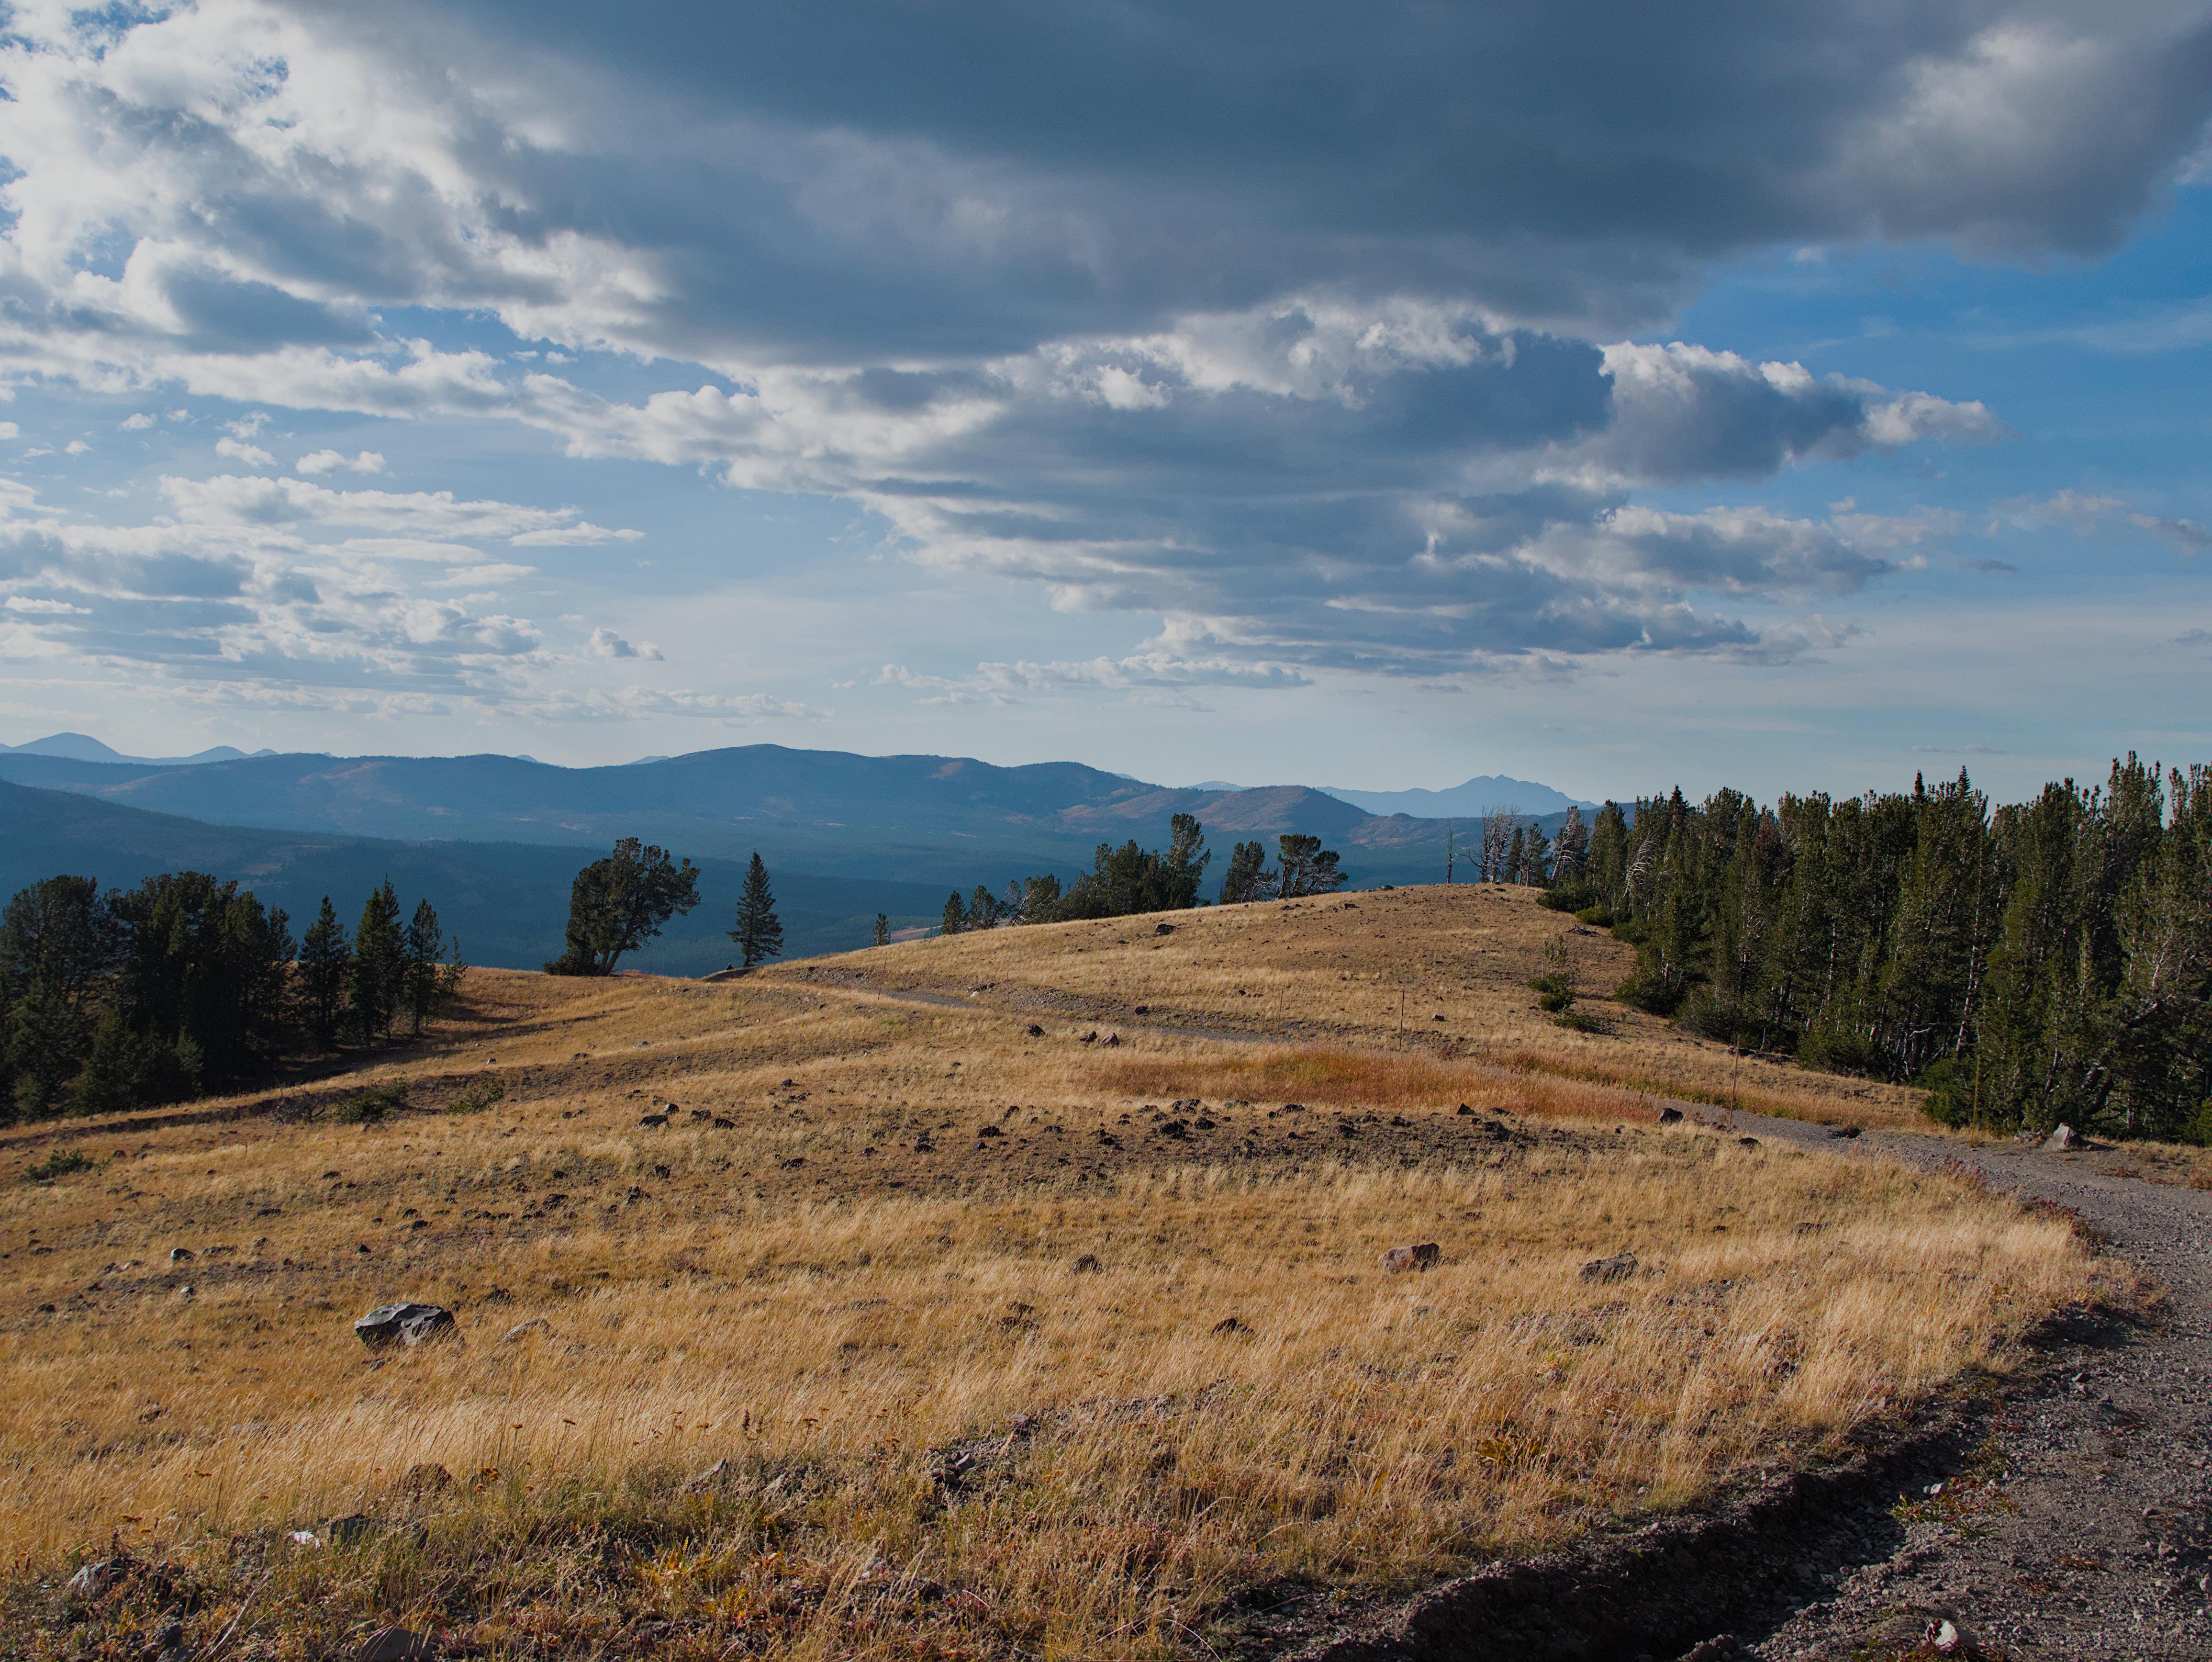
940, 1439
1444, 969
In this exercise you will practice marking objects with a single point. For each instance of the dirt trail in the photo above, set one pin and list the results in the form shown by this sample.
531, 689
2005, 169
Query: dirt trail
2092, 1541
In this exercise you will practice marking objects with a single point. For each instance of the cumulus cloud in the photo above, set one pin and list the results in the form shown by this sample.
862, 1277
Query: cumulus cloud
238, 450
1301, 331
331, 461
606, 643
641, 703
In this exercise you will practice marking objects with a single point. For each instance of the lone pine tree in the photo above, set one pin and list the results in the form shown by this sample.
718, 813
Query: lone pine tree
758, 934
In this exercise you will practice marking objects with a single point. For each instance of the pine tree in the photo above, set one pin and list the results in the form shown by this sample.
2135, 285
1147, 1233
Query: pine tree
430, 975
1248, 877
882, 930
379, 967
955, 915
758, 934
324, 962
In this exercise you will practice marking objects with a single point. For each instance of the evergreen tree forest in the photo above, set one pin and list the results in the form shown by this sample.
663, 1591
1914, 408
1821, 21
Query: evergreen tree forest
2038, 963
187, 984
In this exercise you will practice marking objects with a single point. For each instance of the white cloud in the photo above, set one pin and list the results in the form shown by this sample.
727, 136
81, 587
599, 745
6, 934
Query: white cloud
641, 703
26, 604
2091, 515
331, 462
76, 447
238, 450
606, 643
137, 423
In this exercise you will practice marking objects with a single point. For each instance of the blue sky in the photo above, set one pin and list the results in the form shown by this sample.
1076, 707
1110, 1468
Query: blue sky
1789, 397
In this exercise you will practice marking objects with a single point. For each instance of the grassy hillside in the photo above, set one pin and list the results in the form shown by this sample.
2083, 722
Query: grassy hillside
899, 1305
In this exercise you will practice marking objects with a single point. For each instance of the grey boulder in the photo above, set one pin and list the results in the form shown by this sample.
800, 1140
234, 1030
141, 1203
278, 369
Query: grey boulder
405, 1324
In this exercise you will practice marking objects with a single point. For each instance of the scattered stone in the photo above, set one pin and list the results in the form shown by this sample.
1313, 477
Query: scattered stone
1229, 1327
46, 1310
1034, 1031
1748, 1142
1144, 1009
656, 1121
714, 1476
2064, 1139
1464, 1109
397, 1644
1618, 1268
186, 1291
1086, 1264
184, 1254
522, 1330
722, 1124
404, 1323
989, 1132
1670, 1115
1945, 1638
425, 1477
304, 1537
1163, 928
1425, 1255
95, 1580
1090, 1038
1723, 1647
1113, 1039
1846, 1132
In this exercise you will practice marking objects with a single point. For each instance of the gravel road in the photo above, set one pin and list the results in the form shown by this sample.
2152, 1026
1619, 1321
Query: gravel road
2081, 1529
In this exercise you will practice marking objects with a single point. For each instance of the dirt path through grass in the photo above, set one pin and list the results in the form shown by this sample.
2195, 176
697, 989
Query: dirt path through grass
2079, 1528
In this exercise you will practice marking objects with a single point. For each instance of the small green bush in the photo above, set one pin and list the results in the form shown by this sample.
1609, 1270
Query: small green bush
1950, 1099
1555, 992
1598, 918
58, 1163
477, 1098
1578, 1021
372, 1106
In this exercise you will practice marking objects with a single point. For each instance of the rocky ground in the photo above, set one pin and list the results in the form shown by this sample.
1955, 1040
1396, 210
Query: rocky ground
2077, 1525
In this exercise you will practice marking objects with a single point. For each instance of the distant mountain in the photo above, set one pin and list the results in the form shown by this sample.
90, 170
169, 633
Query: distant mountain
507, 903
81, 747
1479, 796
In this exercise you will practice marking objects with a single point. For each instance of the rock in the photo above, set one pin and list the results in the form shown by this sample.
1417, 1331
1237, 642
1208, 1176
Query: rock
726, 1124
1670, 1115
1616, 1268
425, 1477
1229, 1327
396, 1644
715, 1476
95, 1580
1945, 1638
522, 1330
1723, 1647
1464, 1109
404, 1324
303, 1538
1034, 1031
1113, 1039
2063, 1139
989, 1132
1143, 1010
1748, 1142
184, 1254
1400, 1258
1087, 1265
656, 1121
1090, 1038
1846, 1132
1163, 928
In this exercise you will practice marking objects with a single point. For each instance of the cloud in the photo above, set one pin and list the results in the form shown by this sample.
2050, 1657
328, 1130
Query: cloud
605, 643
251, 454
1140, 674
331, 462
136, 423
2089, 515
1991, 566
1322, 338
643, 703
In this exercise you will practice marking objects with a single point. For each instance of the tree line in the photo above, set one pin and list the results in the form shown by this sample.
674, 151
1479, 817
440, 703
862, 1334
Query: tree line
2036, 963
1130, 880
187, 984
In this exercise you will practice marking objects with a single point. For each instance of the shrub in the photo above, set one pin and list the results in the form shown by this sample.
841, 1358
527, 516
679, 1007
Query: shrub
372, 1106
1555, 992
1598, 917
1649, 991
58, 1163
1950, 1099
477, 1098
1578, 1021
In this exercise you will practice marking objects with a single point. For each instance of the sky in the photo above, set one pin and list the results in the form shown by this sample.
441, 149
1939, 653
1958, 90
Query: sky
1785, 395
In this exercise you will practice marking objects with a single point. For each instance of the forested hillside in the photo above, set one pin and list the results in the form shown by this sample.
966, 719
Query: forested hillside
2048, 961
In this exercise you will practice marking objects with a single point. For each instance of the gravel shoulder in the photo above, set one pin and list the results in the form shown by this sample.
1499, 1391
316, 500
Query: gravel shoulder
2077, 1528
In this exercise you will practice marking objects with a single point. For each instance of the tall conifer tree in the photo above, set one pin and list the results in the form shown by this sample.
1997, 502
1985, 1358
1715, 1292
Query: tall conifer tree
758, 934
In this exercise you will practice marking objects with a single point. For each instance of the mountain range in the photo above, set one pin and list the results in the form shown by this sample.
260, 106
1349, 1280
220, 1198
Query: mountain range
81, 747
493, 840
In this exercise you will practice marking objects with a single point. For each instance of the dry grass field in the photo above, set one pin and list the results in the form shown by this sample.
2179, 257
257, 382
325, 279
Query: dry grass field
921, 1326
